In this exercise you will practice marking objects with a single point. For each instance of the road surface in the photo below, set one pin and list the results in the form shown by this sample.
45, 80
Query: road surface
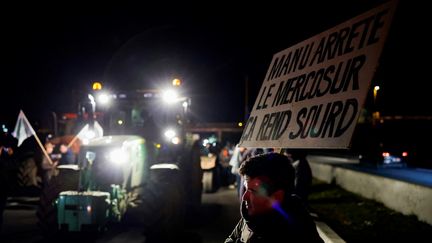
218, 216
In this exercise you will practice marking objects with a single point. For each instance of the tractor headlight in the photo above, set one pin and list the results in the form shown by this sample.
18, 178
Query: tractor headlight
169, 134
170, 96
118, 156
175, 140
104, 99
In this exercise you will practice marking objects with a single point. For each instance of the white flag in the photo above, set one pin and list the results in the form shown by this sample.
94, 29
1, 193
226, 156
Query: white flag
86, 133
23, 129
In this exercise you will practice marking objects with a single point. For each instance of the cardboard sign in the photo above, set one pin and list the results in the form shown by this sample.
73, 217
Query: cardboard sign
313, 92
208, 162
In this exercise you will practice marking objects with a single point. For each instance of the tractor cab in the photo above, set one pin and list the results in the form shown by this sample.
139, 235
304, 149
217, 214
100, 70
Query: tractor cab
111, 168
119, 160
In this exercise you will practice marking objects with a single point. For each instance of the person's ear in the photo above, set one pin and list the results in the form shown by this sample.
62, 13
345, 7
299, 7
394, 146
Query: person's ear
278, 195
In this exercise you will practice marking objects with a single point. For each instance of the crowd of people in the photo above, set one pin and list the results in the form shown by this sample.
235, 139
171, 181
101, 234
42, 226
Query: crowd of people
28, 161
272, 187
8, 145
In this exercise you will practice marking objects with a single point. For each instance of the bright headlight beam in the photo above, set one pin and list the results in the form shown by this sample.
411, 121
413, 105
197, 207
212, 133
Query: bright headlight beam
118, 156
175, 140
170, 96
103, 99
169, 133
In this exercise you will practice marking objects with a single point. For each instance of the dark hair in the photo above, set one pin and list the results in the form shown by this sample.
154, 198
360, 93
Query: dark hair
276, 167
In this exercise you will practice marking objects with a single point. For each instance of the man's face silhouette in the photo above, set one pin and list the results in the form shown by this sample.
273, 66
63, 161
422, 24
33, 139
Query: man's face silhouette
256, 196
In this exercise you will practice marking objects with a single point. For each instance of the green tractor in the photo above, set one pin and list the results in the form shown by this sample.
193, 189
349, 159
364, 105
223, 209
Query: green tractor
110, 174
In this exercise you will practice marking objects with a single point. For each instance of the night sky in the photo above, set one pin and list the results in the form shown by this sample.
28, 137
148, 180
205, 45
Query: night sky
50, 51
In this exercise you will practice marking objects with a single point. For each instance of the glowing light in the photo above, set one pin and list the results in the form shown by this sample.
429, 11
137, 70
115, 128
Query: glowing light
404, 154
118, 156
240, 124
169, 133
89, 208
97, 86
185, 104
158, 145
170, 96
276, 205
104, 98
120, 122
176, 82
175, 140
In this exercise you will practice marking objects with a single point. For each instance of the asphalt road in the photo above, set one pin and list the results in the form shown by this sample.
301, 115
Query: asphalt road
216, 219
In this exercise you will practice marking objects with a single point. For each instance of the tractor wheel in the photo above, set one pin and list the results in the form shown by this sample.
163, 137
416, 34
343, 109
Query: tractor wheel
27, 174
46, 213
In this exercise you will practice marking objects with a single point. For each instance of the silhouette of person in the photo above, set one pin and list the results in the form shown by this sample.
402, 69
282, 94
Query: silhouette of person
49, 169
303, 172
236, 160
67, 156
193, 175
269, 209
8, 146
246, 155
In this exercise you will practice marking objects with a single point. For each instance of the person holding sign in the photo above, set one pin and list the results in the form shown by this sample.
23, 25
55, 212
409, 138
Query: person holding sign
269, 209
303, 172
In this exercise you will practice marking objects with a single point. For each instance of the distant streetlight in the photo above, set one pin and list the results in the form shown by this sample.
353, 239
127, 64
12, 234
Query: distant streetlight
375, 92
376, 114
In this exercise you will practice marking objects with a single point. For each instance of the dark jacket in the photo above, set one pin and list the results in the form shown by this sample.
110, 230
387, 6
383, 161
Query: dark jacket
294, 224
303, 179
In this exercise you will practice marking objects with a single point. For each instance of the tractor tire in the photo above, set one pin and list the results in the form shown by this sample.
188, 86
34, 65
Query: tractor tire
27, 174
208, 181
162, 209
67, 179
211, 180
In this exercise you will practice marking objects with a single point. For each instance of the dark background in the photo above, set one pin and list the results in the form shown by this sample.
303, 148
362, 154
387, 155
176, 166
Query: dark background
49, 52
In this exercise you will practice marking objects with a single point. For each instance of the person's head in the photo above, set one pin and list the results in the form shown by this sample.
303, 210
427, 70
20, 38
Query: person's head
49, 147
63, 148
268, 178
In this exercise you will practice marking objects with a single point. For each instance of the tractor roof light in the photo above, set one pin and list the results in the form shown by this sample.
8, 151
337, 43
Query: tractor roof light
97, 86
176, 82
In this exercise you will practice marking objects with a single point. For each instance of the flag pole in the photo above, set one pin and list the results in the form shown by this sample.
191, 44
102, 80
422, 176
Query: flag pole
37, 140
76, 136
72, 141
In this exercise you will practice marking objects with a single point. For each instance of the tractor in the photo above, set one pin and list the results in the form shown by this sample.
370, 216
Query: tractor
112, 174
124, 172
